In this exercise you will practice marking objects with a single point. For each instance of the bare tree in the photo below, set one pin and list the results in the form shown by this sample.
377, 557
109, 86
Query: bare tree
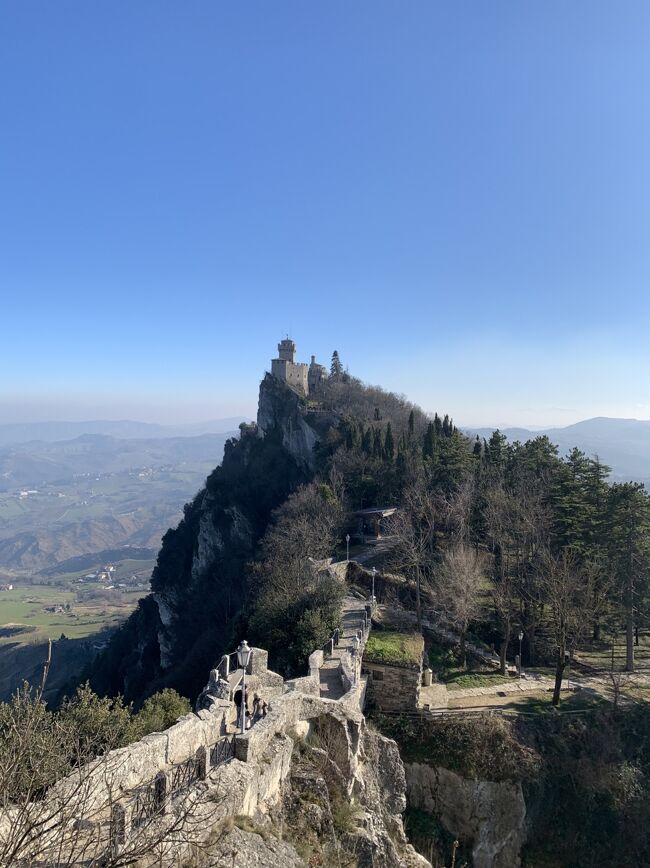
457, 589
619, 681
568, 587
59, 800
517, 527
413, 528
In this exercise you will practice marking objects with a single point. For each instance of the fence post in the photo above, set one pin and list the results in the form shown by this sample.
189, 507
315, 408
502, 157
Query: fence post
118, 828
201, 763
161, 789
224, 667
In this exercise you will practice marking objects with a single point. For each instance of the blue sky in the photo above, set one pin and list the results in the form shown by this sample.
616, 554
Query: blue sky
456, 195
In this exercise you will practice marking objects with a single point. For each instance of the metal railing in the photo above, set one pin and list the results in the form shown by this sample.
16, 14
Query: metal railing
149, 801
222, 751
187, 773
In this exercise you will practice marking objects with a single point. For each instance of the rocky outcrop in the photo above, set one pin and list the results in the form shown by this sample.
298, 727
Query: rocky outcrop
280, 409
490, 815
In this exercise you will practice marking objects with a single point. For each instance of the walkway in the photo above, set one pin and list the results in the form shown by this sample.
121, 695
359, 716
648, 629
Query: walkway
331, 686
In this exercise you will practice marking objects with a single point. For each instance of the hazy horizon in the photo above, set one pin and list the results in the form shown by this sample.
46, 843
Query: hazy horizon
205, 412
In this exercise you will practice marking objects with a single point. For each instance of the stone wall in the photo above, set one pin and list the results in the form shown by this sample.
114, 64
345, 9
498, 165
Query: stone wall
392, 688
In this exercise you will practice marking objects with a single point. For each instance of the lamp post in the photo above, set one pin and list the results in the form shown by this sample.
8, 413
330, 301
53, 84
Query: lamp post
347, 544
372, 599
521, 636
243, 656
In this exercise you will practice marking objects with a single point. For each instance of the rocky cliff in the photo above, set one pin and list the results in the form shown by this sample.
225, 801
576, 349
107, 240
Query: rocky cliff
490, 815
199, 583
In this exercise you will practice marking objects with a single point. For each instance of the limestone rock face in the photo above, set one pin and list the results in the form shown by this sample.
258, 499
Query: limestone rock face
279, 410
490, 815
243, 849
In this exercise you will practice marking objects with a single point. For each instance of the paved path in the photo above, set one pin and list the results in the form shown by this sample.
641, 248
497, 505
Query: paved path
331, 686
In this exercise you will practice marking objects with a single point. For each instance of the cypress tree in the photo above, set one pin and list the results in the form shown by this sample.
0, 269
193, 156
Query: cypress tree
377, 446
411, 423
428, 449
336, 368
389, 444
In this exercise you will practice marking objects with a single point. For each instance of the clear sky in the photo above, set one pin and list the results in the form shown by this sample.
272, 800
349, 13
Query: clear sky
455, 195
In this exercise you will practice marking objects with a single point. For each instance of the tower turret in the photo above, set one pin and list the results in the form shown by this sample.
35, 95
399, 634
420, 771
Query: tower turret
287, 350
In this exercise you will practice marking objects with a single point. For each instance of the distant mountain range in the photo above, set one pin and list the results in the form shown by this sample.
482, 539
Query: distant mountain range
623, 444
62, 499
51, 432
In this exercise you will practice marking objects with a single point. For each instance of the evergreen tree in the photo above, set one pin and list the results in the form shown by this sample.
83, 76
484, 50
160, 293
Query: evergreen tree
477, 450
437, 424
366, 441
411, 424
497, 449
389, 444
429, 446
377, 445
628, 536
336, 368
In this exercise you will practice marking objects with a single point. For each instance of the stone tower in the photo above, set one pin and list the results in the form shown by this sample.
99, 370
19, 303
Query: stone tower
285, 369
287, 350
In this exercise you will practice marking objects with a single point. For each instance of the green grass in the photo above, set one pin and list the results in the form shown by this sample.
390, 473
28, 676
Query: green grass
443, 661
543, 704
463, 680
26, 606
391, 647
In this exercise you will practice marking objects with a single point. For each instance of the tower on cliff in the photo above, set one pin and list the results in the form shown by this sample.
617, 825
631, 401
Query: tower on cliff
305, 378
284, 368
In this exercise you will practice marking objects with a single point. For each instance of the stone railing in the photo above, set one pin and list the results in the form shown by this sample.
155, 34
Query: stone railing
350, 665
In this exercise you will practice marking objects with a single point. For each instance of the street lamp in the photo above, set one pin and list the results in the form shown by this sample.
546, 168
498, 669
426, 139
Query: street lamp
347, 543
372, 600
243, 656
521, 636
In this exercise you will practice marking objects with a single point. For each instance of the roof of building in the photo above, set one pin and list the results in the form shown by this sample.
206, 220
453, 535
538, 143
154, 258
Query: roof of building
383, 511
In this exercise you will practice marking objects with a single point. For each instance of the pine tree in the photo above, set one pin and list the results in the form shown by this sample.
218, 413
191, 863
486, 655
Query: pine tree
336, 368
428, 448
377, 445
497, 448
389, 444
628, 536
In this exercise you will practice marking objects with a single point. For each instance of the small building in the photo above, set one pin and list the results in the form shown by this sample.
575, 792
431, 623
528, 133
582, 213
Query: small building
393, 660
369, 521
247, 429
316, 375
